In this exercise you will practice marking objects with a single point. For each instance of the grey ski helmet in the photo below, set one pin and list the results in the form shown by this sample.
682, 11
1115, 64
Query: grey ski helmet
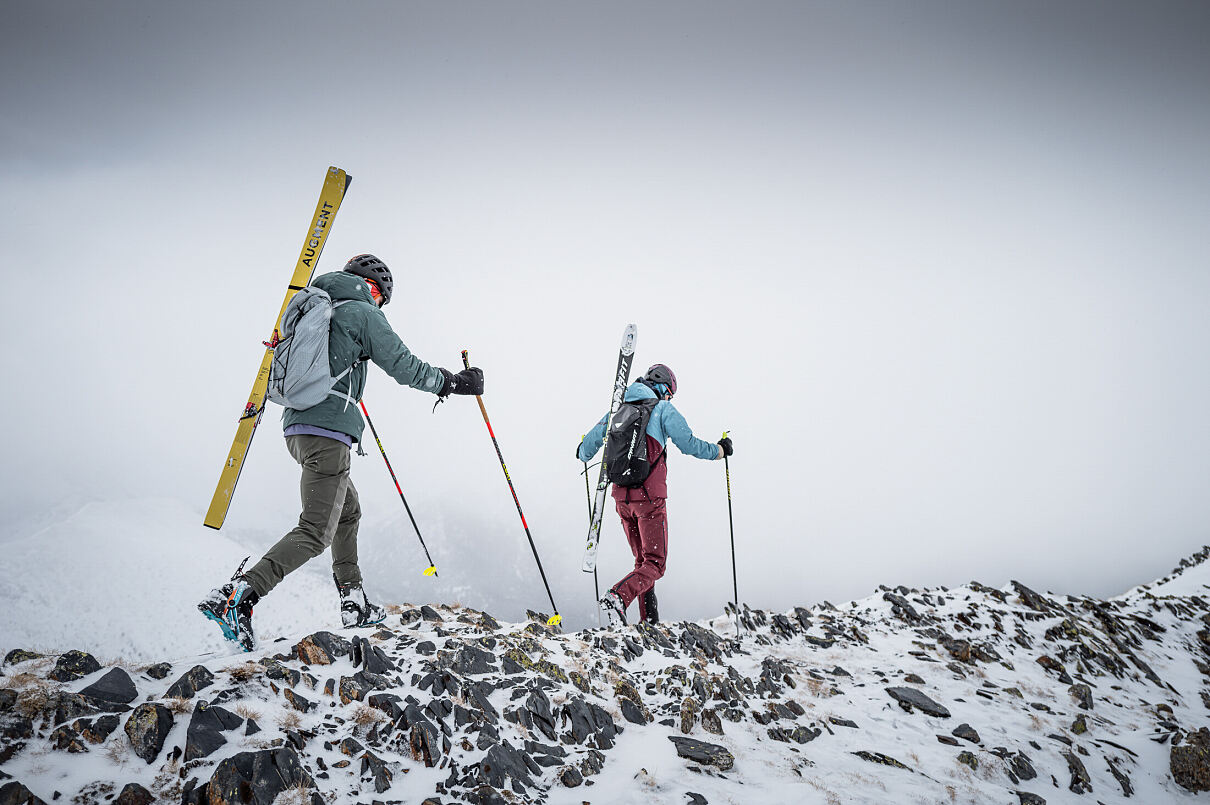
661, 374
371, 268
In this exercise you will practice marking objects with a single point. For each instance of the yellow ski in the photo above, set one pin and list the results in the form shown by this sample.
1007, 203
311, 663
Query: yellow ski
336, 182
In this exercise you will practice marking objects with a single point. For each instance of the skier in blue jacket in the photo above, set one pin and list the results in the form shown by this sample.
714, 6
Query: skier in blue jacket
642, 508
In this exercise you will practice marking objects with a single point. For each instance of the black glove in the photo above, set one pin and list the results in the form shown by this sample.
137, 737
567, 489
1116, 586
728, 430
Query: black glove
578, 450
468, 381
725, 443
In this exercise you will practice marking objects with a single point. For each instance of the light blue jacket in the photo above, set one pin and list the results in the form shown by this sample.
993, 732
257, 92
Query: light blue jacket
666, 423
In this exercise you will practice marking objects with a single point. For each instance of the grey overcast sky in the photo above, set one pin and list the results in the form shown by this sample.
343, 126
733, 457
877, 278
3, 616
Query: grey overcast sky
942, 268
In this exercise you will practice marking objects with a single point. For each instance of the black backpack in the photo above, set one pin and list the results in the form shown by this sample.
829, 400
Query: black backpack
626, 458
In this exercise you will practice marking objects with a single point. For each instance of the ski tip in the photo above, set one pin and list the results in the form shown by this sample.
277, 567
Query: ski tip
431, 570
554, 620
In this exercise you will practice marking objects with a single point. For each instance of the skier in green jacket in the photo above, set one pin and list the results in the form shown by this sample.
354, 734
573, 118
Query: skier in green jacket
320, 438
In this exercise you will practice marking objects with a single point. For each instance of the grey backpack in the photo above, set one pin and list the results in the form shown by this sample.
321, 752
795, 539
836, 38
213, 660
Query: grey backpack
299, 376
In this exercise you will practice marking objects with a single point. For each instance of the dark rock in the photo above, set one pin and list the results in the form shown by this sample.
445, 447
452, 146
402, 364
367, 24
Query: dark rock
196, 678
472, 660
74, 665
322, 648
1080, 781
98, 730
116, 687
298, 701
70, 706
632, 713
194, 794
503, 761
947, 740
1021, 766
910, 698
15, 730
20, 655
960, 650
206, 728
1083, 695
65, 738
8, 700
901, 608
13, 793
1121, 776
878, 757
711, 722
842, 722
134, 794
1051, 664
968, 759
376, 768
1030, 799
256, 778
570, 777
1190, 761
967, 733
160, 670
430, 614
147, 727
426, 647
1038, 603
913, 679
702, 752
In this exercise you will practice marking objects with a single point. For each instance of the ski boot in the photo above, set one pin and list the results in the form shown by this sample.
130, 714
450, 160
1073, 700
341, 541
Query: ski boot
230, 606
651, 607
355, 609
612, 609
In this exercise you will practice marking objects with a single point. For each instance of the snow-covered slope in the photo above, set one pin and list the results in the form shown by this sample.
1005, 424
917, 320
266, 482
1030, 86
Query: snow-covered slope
972, 694
120, 580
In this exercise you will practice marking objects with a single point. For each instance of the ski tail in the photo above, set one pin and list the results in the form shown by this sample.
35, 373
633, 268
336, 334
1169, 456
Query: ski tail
621, 379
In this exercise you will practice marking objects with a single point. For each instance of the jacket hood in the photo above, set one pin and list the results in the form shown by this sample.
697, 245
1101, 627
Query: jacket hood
638, 391
341, 285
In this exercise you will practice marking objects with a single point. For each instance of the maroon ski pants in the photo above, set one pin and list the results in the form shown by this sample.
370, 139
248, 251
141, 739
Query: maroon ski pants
646, 525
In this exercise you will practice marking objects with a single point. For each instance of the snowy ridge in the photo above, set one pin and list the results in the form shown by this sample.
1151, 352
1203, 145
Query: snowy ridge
972, 694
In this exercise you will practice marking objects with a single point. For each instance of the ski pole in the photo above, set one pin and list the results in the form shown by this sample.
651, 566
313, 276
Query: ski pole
731, 520
431, 570
596, 589
556, 619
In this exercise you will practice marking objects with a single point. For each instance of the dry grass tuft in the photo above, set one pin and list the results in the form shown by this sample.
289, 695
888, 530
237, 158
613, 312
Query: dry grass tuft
117, 751
289, 720
1036, 724
297, 794
365, 716
244, 671
178, 705
247, 713
817, 687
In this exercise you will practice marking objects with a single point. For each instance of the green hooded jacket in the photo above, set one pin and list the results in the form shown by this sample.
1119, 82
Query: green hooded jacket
360, 332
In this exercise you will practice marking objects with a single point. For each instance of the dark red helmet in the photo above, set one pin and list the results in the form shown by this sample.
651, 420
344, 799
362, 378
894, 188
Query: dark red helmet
371, 268
661, 375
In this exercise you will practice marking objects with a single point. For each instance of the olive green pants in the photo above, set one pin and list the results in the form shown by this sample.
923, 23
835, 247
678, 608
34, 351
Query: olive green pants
330, 513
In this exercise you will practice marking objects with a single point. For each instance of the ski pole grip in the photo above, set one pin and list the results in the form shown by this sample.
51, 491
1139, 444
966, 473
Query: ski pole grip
466, 361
